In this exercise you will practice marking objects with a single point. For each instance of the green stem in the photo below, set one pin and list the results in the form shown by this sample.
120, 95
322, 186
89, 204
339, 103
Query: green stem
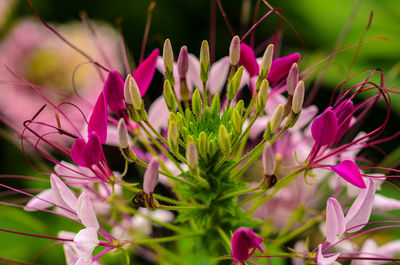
237, 142
182, 207
250, 106
164, 239
307, 226
161, 148
238, 193
205, 96
280, 185
225, 238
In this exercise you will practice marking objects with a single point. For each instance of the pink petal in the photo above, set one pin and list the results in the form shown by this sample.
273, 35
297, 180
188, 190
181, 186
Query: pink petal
324, 127
151, 176
93, 150
86, 212
349, 171
334, 220
218, 73
78, 152
114, 91
361, 209
243, 242
145, 72
281, 67
98, 119
86, 240
384, 203
158, 114
193, 74
248, 60
63, 196
343, 113
321, 260
43, 200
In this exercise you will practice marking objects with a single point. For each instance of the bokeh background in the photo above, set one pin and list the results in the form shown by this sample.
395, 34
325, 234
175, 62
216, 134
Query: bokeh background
322, 25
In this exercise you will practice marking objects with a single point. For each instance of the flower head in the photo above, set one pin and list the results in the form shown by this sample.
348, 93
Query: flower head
244, 243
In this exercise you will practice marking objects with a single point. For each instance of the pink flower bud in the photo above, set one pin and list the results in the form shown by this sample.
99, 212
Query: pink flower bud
243, 244
324, 128
183, 62
349, 171
114, 91
151, 176
98, 119
292, 79
269, 162
248, 60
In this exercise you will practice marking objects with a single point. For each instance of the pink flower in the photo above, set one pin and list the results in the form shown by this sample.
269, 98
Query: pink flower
349, 171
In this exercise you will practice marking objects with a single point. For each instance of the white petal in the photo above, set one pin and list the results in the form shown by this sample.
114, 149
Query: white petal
193, 74
385, 203
43, 200
63, 196
334, 220
159, 114
86, 212
321, 260
85, 241
218, 74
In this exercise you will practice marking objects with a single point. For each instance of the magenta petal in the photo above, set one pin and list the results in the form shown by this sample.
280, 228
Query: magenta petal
349, 171
98, 119
248, 59
93, 151
78, 152
145, 72
281, 67
114, 91
343, 113
324, 128
244, 242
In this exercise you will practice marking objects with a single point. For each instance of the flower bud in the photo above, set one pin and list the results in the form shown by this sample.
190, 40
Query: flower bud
169, 96
292, 79
204, 61
235, 83
224, 140
134, 91
197, 104
212, 147
122, 132
262, 96
236, 121
275, 121
215, 106
202, 143
240, 106
168, 58
234, 50
269, 162
191, 154
266, 61
324, 128
298, 97
173, 136
151, 176
183, 62
127, 93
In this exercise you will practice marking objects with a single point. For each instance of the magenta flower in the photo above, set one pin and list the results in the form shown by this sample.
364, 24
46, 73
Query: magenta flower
281, 67
248, 60
343, 112
349, 171
87, 154
243, 244
145, 72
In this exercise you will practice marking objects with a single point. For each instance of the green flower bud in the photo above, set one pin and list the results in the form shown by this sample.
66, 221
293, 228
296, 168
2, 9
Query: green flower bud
298, 97
292, 79
197, 104
191, 155
262, 96
234, 50
236, 121
275, 122
168, 58
224, 140
127, 93
204, 61
235, 83
173, 135
136, 98
266, 62
215, 106
240, 106
169, 96
202, 143
212, 147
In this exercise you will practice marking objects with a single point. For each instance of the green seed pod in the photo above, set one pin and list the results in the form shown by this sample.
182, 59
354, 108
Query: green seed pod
202, 143
169, 96
224, 140
298, 97
236, 121
266, 62
168, 58
173, 135
240, 106
262, 96
215, 106
234, 50
276, 119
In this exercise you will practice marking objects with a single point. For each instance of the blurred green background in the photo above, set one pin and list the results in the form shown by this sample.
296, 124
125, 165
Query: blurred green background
319, 23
